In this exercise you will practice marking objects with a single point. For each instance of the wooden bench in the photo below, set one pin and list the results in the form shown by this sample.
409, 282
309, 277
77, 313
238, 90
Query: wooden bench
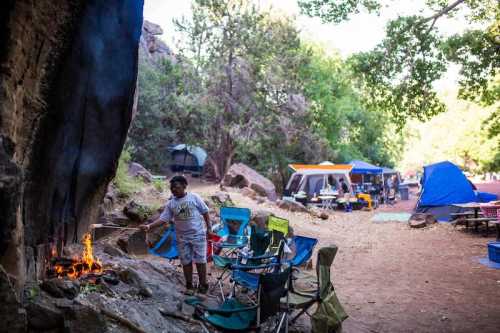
463, 214
479, 220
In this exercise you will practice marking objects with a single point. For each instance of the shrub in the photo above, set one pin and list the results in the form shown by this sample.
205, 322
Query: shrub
126, 184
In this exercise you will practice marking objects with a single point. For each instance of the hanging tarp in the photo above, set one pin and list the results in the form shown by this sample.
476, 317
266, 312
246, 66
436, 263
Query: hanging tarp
365, 168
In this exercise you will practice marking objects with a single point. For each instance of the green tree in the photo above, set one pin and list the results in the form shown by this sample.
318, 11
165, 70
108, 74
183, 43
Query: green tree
353, 129
246, 61
165, 112
398, 74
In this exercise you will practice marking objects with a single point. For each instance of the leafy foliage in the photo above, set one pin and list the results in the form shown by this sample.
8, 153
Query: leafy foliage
126, 184
165, 112
456, 135
398, 74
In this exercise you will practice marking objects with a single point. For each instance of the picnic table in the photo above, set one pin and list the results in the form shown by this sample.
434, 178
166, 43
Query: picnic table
476, 219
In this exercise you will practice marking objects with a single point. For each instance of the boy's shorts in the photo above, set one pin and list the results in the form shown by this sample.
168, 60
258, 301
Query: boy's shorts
192, 248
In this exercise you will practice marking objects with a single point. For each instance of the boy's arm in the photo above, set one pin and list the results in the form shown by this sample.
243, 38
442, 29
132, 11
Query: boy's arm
147, 227
206, 217
165, 217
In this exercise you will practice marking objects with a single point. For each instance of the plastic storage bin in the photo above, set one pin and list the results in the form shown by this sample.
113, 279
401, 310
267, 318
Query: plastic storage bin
494, 251
404, 192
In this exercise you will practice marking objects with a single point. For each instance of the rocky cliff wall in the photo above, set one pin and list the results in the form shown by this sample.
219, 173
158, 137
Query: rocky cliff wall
67, 78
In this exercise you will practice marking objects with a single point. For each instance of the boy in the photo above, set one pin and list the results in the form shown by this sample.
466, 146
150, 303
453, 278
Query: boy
187, 211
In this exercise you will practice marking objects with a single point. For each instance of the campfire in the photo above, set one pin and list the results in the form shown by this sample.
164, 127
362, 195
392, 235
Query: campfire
76, 267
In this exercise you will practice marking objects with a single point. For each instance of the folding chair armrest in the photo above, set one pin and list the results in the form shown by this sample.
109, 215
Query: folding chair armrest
264, 256
251, 267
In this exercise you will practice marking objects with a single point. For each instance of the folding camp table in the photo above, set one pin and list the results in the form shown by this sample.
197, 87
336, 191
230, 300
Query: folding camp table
328, 201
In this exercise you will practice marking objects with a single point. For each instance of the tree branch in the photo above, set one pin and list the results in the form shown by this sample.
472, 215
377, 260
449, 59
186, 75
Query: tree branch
442, 12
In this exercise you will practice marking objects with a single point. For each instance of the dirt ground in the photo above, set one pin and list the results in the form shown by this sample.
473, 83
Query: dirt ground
391, 278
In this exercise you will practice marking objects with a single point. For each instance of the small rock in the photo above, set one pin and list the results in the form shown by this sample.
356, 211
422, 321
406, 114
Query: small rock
222, 199
318, 212
137, 212
420, 220
248, 192
292, 206
260, 200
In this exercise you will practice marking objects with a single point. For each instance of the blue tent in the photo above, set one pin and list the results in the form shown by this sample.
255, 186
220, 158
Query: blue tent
444, 184
364, 168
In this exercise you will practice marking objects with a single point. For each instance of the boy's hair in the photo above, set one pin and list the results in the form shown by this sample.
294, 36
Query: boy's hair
179, 179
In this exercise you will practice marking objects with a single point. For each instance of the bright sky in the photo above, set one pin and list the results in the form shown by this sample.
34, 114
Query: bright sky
361, 33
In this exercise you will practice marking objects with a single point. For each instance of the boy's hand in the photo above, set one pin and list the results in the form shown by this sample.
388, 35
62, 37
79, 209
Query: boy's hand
145, 227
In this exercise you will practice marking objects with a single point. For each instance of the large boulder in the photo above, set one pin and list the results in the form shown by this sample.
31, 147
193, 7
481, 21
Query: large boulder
152, 49
240, 175
138, 171
12, 315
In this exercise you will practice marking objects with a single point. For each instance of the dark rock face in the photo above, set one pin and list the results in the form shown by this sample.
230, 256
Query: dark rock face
67, 79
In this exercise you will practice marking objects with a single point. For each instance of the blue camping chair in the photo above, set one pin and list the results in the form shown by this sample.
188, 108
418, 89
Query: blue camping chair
165, 250
235, 239
246, 274
304, 247
235, 316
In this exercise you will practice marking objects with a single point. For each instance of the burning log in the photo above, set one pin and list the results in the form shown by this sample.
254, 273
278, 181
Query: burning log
74, 268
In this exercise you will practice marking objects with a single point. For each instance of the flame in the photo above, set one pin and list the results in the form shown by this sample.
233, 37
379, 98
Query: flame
80, 266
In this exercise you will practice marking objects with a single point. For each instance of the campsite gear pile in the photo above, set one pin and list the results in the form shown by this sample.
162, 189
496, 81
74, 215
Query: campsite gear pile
261, 265
321, 185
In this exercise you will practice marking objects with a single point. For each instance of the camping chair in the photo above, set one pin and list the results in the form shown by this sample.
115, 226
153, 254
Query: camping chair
234, 227
246, 274
304, 247
235, 316
278, 228
259, 242
166, 247
329, 314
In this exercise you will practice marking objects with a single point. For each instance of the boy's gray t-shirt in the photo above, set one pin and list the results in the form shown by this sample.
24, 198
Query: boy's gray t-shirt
186, 213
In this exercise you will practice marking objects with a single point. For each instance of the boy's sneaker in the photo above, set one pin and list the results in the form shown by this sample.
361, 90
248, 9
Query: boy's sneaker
203, 288
190, 291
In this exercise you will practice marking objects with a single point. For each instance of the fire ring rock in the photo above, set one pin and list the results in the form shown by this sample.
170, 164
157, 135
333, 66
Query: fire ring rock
240, 175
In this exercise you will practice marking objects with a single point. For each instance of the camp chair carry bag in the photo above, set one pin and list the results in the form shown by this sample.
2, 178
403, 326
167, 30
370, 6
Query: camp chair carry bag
330, 313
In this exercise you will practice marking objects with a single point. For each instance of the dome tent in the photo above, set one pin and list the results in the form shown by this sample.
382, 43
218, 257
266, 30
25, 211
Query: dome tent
443, 184
187, 158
